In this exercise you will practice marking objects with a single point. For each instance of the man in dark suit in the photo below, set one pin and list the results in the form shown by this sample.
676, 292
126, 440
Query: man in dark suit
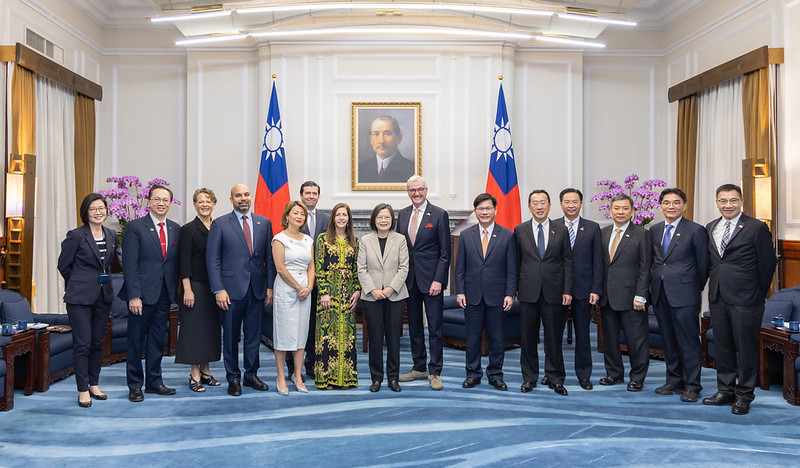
427, 231
150, 274
388, 165
486, 282
587, 277
677, 276
544, 287
627, 255
316, 225
742, 264
240, 273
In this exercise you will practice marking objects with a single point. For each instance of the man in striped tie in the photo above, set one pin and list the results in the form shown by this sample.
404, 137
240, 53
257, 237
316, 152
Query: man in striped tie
742, 264
486, 283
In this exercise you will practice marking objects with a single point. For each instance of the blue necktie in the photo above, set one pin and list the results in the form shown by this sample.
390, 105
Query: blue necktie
540, 242
571, 235
667, 238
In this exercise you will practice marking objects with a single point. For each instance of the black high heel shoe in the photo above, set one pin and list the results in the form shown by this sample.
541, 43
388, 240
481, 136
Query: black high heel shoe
82, 404
207, 379
98, 396
196, 386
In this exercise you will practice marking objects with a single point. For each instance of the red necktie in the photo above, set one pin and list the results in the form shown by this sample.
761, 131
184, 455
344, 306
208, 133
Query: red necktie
247, 238
162, 236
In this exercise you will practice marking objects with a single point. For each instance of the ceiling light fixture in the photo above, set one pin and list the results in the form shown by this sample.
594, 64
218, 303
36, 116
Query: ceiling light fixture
207, 39
569, 40
393, 30
191, 16
391, 6
596, 19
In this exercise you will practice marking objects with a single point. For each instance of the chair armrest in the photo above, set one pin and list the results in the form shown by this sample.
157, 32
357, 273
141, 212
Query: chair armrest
795, 337
52, 319
4, 340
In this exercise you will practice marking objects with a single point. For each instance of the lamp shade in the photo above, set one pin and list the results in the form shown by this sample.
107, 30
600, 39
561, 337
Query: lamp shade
15, 195
763, 192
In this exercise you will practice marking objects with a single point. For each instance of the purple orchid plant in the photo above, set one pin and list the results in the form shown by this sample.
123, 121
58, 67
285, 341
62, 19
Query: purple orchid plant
129, 200
645, 199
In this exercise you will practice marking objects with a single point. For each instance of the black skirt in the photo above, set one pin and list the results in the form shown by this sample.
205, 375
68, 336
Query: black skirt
200, 335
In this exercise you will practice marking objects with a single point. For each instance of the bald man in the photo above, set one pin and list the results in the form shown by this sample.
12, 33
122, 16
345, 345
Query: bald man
241, 272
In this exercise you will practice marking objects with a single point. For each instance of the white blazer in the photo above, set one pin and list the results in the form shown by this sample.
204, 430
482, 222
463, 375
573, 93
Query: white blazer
376, 271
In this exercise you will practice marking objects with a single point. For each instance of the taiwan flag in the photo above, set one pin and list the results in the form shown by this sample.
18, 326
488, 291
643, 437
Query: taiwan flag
272, 192
502, 179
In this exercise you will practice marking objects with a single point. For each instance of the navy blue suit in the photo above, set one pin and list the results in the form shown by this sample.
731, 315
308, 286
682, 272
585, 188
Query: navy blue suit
88, 301
587, 278
738, 283
246, 278
677, 278
152, 277
428, 261
542, 283
485, 282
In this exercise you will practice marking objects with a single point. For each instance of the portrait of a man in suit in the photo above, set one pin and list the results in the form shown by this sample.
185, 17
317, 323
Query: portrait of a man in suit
385, 145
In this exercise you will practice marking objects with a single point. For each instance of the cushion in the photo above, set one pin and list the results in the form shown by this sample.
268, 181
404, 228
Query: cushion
788, 295
774, 307
15, 311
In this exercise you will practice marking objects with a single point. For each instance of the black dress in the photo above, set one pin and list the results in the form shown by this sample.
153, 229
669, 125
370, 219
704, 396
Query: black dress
199, 339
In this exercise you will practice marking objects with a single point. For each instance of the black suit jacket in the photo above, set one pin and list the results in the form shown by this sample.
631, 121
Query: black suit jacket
744, 272
684, 266
143, 266
550, 276
491, 278
587, 259
628, 273
79, 264
429, 257
322, 225
398, 170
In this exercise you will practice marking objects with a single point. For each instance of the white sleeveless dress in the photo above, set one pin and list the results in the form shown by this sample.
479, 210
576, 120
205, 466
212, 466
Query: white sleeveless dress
290, 315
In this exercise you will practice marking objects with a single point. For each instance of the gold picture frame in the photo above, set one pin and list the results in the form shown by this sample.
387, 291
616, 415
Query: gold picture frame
372, 143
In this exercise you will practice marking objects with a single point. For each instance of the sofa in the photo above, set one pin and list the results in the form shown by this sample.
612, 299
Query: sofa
4, 396
655, 342
455, 333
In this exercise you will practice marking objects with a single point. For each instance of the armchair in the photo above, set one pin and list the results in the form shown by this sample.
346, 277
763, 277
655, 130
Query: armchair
655, 342
4, 394
455, 333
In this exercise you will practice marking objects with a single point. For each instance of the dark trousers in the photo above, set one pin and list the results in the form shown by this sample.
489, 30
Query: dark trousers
434, 305
477, 318
581, 320
736, 331
310, 354
682, 349
88, 324
245, 311
147, 331
634, 324
384, 320
553, 317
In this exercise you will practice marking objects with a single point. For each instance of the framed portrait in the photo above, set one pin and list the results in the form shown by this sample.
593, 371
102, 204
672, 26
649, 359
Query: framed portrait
386, 144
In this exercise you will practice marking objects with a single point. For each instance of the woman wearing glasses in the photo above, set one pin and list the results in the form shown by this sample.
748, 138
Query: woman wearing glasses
84, 262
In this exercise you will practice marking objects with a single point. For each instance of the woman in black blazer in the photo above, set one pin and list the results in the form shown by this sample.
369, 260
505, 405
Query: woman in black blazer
85, 260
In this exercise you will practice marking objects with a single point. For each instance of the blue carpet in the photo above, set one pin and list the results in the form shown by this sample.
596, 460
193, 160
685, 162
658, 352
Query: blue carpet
607, 426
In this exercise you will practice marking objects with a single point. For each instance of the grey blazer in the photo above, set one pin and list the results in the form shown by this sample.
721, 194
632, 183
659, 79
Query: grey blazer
376, 271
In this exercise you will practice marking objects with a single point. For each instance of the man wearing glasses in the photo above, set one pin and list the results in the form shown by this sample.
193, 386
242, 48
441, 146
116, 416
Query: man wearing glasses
150, 274
742, 264
427, 231
677, 277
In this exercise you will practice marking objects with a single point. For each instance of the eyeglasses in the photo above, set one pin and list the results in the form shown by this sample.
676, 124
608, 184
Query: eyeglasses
419, 190
101, 209
383, 218
726, 201
160, 200
484, 209
675, 203
537, 204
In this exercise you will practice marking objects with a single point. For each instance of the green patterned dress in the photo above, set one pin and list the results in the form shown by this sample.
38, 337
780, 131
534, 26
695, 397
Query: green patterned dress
335, 335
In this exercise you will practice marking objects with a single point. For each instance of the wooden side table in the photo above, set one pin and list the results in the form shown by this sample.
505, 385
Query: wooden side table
774, 339
22, 344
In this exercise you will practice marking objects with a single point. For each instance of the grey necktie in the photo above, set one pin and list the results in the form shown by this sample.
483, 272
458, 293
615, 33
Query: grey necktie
726, 236
540, 241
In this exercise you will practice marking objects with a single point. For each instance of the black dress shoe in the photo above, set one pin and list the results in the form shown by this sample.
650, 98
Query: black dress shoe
527, 387
499, 384
610, 381
690, 396
741, 407
135, 395
470, 383
558, 388
160, 390
98, 396
256, 384
545, 381
719, 399
634, 386
394, 385
86, 404
376, 386
234, 388
586, 385
668, 389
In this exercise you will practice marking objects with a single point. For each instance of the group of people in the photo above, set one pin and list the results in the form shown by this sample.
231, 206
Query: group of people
315, 272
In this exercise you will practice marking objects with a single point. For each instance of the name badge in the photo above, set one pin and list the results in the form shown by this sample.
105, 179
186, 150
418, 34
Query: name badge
104, 278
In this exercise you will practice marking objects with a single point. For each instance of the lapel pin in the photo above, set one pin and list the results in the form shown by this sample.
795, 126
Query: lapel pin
627, 235
152, 230
740, 226
494, 235
581, 229
258, 222
678, 234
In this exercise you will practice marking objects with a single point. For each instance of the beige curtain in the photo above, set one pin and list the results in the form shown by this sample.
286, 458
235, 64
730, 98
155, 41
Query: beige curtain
23, 112
84, 149
686, 149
